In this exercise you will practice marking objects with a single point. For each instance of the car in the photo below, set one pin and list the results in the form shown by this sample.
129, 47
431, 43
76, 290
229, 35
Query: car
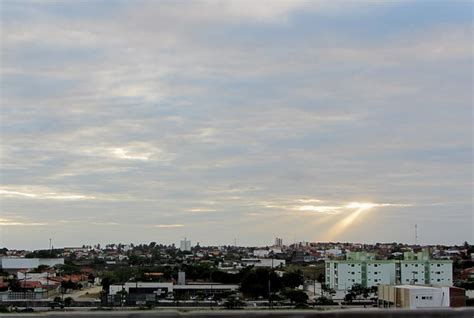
27, 309
56, 304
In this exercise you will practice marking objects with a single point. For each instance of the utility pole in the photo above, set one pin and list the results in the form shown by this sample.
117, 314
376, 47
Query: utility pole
416, 234
269, 293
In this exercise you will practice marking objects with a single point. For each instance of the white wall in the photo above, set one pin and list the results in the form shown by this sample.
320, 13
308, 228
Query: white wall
348, 274
113, 289
261, 253
441, 273
263, 262
28, 263
380, 273
410, 270
428, 298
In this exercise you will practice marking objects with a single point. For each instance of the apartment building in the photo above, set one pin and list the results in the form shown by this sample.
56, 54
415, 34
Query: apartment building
364, 269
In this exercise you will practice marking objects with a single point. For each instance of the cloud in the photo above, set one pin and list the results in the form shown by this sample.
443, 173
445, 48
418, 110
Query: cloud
8, 222
169, 225
290, 110
202, 210
41, 194
333, 208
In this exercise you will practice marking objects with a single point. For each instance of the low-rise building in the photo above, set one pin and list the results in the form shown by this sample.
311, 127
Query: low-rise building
161, 290
14, 264
263, 262
414, 296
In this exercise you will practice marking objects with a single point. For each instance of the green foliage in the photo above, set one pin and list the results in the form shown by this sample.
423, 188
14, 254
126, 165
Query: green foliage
68, 301
295, 296
68, 285
358, 290
45, 253
323, 301
40, 269
350, 296
293, 279
327, 290
468, 285
68, 269
233, 302
321, 278
254, 282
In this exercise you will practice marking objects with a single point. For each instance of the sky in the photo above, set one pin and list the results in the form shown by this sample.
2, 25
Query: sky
235, 121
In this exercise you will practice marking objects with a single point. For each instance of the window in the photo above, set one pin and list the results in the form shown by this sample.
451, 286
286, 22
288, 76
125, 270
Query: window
375, 265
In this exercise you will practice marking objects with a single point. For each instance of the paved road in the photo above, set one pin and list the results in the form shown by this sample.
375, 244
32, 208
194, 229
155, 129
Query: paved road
347, 313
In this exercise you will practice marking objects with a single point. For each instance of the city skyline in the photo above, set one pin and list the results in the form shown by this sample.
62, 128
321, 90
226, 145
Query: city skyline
214, 120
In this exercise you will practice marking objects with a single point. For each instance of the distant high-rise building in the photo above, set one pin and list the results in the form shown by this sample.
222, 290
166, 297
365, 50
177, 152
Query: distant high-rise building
185, 245
278, 242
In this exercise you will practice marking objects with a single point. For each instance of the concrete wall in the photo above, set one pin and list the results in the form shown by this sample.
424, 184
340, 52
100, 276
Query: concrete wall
427, 298
114, 289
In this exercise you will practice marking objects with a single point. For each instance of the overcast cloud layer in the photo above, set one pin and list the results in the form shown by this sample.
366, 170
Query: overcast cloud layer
139, 121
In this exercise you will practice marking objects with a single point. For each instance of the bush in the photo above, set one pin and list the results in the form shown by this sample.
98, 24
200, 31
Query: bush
323, 301
68, 301
233, 302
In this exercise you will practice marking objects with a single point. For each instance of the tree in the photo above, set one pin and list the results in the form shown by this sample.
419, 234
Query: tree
323, 301
68, 285
258, 282
327, 290
295, 296
359, 290
321, 278
233, 302
349, 297
68, 301
293, 279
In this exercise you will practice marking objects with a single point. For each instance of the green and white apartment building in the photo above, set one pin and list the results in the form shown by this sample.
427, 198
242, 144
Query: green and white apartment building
363, 268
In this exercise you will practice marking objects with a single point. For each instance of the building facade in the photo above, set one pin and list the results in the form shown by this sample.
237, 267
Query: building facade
185, 245
412, 296
14, 264
364, 269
